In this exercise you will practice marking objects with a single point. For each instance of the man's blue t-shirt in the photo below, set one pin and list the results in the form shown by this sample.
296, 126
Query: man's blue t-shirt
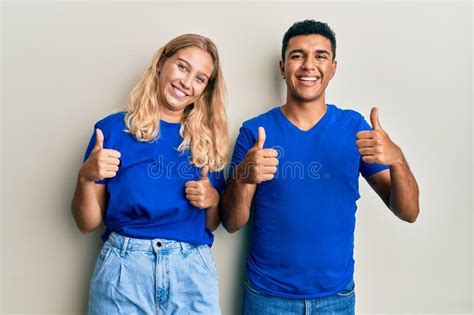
146, 198
304, 218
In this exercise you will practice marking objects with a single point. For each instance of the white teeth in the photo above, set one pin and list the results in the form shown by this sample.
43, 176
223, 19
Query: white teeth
309, 79
179, 92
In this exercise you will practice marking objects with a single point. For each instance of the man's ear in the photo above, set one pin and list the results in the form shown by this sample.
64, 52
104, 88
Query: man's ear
282, 68
334, 68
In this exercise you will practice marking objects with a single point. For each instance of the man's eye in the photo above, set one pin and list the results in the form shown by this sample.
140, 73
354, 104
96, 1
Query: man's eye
322, 57
296, 57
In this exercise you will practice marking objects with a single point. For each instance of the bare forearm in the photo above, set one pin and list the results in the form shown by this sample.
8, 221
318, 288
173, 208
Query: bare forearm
235, 205
212, 217
404, 194
85, 206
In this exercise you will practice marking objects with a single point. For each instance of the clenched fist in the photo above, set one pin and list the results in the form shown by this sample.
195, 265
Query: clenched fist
375, 145
259, 164
102, 163
200, 193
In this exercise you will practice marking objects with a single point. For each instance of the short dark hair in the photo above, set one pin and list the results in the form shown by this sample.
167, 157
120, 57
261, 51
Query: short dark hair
309, 27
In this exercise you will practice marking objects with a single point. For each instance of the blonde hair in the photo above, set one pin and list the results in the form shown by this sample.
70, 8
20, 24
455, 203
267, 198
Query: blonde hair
204, 123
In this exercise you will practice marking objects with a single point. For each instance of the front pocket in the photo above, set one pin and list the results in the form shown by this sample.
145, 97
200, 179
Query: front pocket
104, 254
252, 289
348, 290
206, 258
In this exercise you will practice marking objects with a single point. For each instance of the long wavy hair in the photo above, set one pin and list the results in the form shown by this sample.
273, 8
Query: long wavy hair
204, 123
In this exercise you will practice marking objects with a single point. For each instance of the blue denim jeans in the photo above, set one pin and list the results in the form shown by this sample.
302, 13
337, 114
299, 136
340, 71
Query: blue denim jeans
341, 303
135, 276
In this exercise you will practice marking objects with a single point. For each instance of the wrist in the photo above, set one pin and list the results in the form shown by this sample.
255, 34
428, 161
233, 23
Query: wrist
399, 160
241, 174
82, 178
217, 198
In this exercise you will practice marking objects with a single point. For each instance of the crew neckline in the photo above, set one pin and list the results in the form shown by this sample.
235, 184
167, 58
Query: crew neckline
169, 124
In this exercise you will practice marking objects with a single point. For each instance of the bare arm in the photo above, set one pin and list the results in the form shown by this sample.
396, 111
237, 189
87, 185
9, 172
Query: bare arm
89, 200
202, 195
88, 205
259, 165
398, 189
212, 214
235, 204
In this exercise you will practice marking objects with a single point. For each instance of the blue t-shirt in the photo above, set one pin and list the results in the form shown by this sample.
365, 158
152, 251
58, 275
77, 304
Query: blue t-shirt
304, 218
146, 198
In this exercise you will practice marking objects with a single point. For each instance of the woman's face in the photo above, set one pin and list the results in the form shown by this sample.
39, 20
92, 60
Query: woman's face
183, 78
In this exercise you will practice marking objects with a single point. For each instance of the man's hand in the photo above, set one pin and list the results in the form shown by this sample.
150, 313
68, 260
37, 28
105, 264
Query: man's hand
200, 193
259, 164
375, 145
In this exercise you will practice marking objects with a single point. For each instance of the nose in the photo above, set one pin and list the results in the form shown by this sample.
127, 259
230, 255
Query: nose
186, 82
308, 64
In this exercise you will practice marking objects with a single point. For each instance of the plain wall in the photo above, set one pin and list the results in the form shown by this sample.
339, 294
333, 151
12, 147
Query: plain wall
67, 65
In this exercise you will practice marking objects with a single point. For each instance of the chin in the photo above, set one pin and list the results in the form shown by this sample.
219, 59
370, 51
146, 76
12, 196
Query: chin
307, 99
173, 104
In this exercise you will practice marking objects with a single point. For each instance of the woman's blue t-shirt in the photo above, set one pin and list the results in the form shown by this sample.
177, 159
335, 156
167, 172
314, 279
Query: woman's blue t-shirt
146, 198
304, 218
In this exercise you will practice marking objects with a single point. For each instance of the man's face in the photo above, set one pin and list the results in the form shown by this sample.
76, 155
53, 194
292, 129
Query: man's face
308, 67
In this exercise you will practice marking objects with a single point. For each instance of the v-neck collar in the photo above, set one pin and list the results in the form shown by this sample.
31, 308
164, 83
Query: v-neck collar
321, 122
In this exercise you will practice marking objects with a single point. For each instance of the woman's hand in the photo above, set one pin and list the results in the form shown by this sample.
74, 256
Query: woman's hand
200, 193
102, 163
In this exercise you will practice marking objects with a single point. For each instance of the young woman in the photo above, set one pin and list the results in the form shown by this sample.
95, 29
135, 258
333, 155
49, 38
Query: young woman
153, 175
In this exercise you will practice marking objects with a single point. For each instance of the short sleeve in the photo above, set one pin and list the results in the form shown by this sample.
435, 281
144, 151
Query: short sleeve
89, 148
368, 169
243, 144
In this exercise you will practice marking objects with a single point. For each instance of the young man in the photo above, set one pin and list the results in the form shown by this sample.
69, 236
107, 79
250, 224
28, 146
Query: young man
298, 165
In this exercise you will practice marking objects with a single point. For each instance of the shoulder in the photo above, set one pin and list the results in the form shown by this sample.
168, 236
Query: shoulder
114, 129
112, 124
112, 121
348, 117
262, 120
346, 113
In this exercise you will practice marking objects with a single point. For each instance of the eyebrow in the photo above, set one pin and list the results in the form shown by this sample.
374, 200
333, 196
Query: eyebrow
319, 51
322, 51
189, 65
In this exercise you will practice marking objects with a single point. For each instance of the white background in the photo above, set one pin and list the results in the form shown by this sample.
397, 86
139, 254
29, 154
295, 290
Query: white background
67, 65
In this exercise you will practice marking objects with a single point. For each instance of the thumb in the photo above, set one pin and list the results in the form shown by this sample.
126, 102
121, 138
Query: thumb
374, 118
204, 171
261, 138
99, 139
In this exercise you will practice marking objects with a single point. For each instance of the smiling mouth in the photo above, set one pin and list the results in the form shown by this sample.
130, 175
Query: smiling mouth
308, 80
178, 93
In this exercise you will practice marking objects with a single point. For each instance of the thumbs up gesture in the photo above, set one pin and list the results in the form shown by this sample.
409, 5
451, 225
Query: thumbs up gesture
200, 193
102, 163
375, 145
259, 164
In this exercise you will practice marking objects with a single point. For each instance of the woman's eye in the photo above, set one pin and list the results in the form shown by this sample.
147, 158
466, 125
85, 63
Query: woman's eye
182, 67
201, 80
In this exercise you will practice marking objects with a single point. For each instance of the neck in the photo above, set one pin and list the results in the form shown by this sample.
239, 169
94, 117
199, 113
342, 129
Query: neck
171, 116
304, 114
